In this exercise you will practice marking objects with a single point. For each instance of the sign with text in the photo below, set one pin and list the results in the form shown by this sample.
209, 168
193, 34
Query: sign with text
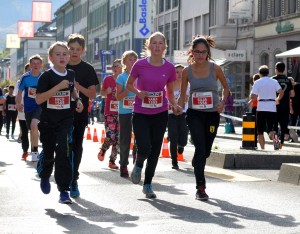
240, 9
236, 55
180, 56
25, 29
41, 11
96, 49
143, 19
12, 41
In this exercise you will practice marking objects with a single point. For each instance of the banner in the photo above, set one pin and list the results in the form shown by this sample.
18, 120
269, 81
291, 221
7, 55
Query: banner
96, 48
25, 29
41, 12
12, 41
143, 19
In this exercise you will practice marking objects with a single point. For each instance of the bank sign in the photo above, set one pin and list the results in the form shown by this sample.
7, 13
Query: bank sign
143, 19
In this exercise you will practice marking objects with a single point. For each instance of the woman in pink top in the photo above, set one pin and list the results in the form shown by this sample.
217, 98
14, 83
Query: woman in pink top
152, 75
111, 121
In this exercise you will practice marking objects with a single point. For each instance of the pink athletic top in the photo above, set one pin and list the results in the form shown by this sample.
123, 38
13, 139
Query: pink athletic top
153, 80
111, 103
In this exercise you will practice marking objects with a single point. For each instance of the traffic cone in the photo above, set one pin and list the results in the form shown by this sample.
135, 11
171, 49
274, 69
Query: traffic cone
180, 157
165, 150
95, 137
89, 136
132, 141
102, 136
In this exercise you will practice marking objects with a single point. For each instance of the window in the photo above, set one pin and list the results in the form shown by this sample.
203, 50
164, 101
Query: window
41, 44
161, 28
263, 10
205, 30
175, 3
264, 59
168, 5
198, 26
188, 24
127, 12
161, 6
228, 20
277, 8
213, 12
174, 35
292, 6
167, 35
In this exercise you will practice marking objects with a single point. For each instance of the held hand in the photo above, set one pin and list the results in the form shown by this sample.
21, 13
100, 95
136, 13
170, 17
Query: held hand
64, 84
220, 107
79, 106
177, 110
109, 90
20, 107
141, 94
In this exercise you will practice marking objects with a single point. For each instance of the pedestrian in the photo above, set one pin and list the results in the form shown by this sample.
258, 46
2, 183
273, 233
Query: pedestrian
229, 108
31, 109
251, 102
147, 80
54, 92
204, 105
125, 99
295, 110
10, 111
283, 107
111, 121
265, 90
86, 81
177, 127
90, 112
1, 109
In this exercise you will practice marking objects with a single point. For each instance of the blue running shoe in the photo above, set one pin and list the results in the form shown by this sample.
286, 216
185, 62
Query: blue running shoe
64, 198
45, 185
136, 174
147, 189
74, 191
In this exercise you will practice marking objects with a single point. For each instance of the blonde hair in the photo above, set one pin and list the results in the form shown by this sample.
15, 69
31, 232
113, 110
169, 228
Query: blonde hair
146, 51
127, 54
208, 41
58, 43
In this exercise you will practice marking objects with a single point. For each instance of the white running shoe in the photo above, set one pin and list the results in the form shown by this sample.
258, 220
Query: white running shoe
35, 156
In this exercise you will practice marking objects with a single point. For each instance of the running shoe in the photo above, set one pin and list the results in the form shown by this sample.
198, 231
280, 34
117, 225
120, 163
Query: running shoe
147, 189
201, 194
24, 156
112, 165
45, 185
175, 165
64, 198
35, 156
124, 172
74, 191
136, 174
101, 154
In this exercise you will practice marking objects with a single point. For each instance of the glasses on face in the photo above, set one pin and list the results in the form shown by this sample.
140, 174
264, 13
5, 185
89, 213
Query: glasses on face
199, 52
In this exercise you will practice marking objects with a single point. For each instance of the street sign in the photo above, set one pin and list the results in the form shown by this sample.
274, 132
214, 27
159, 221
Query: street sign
107, 52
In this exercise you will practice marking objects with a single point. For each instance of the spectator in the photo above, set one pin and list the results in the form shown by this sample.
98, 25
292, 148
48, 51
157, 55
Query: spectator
229, 108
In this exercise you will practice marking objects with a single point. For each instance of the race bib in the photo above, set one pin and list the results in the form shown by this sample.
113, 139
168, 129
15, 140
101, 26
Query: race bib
31, 92
128, 102
202, 100
153, 100
12, 107
113, 106
60, 101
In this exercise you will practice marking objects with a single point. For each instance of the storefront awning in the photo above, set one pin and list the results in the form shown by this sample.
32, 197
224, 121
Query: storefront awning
289, 53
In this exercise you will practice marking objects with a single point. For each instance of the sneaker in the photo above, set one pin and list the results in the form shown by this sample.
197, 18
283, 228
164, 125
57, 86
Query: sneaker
64, 198
45, 185
175, 165
7, 136
35, 156
201, 194
19, 140
180, 149
112, 165
74, 191
124, 172
136, 174
24, 156
147, 189
101, 155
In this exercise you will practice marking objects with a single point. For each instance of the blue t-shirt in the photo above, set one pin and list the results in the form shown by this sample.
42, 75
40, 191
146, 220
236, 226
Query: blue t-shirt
28, 84
128, 99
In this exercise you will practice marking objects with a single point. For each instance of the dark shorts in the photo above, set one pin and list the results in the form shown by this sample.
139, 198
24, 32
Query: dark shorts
29, 116
265, 121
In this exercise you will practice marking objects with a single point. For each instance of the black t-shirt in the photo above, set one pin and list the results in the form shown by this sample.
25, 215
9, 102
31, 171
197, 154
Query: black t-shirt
86, 76
11, 100
58, 109
286, 86
296, 98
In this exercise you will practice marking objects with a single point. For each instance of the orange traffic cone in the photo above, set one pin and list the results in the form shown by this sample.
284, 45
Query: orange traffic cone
89, 136
180, 157
132, 141
102, 136
95, 137
165, 150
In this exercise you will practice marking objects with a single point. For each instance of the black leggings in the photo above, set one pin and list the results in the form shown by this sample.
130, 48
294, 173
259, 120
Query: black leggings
11, 117
24, 136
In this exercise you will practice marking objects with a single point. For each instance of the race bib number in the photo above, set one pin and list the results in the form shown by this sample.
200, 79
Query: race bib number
113, 106
128, 102
60, 101
11, 107
31, 92
202, 100
153, 100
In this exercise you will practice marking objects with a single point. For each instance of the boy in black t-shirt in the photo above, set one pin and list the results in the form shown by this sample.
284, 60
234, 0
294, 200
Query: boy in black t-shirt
54, 92
85, 82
